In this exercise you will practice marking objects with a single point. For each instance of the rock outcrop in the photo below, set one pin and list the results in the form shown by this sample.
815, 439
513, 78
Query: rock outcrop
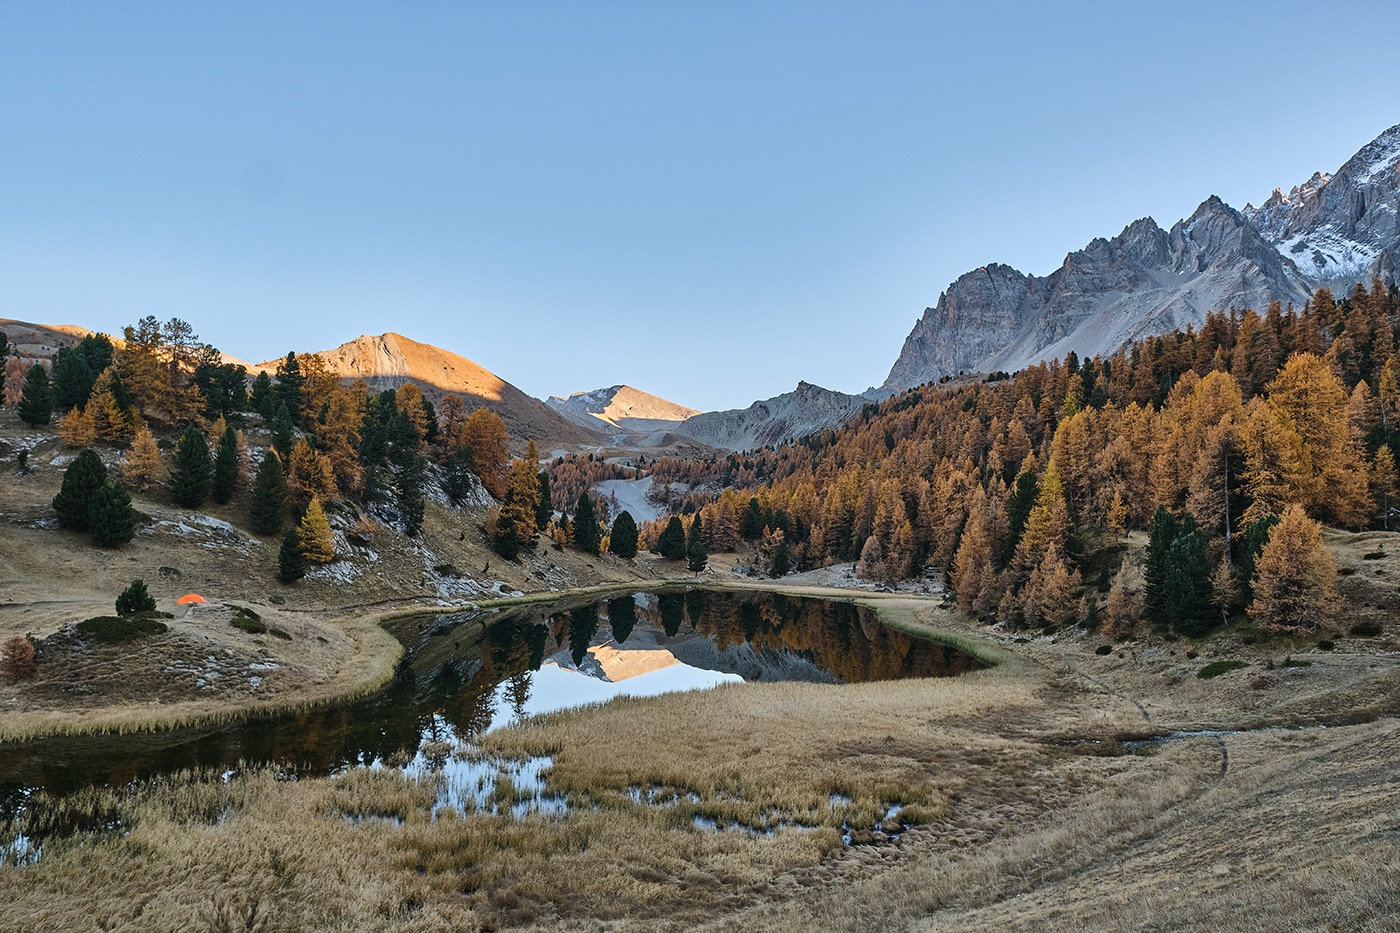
806, 410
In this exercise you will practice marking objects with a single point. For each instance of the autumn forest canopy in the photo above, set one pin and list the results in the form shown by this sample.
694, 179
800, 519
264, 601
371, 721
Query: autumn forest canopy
1229, 445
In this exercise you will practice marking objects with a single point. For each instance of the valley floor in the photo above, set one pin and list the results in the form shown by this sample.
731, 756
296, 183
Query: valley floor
1039, 800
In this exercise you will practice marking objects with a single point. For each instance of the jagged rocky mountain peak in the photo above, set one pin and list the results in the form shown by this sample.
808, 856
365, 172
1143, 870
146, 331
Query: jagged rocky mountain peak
1331, 230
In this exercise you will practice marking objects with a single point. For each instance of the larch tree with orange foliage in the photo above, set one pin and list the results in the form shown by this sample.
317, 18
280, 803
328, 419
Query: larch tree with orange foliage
1295, 578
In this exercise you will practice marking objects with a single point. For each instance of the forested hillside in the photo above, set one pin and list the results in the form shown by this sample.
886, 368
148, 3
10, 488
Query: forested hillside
1018, 486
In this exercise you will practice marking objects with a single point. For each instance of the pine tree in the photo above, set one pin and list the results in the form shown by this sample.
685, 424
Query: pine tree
72, 379
1161, 531
1295, 579
134, 599
111, 518
262, 398
143, 467
282, 431
268, 501
457, 475
622, 540
225, 467
192, 470
84, 476
1251, 545
291, 563
622, 617
696, 555
290, 383
314, 533
782, 561
36, 401
1187, 591
587, 535
671, 543
412, 501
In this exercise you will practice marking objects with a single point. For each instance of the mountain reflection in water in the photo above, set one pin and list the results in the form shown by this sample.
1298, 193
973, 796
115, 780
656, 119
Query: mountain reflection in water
466, 673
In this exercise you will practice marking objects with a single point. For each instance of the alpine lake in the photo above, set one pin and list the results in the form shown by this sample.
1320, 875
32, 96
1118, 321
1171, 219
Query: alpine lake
464, 674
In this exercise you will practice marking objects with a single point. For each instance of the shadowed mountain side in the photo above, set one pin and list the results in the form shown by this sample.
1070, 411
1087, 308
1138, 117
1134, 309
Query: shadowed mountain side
806, 410
390, 360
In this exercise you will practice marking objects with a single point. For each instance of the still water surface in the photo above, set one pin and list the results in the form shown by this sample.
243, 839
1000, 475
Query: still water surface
467, 673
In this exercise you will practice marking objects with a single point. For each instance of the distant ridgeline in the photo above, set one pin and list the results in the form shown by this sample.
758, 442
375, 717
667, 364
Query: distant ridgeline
1018, 488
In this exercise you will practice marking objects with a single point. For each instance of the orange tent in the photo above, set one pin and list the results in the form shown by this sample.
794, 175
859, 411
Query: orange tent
189, 598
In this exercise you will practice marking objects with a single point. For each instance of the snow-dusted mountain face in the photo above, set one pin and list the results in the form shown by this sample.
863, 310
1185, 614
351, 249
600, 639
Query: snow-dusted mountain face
1344, 228
620, 408
806, 410
1333, 230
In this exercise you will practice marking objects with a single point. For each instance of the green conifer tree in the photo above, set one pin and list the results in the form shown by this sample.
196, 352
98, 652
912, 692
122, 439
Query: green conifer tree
36, 400
84, 476
282, 431
262, 399
135, 598
268, 501
622, 617
1161, 531
696, 555
751, 525
457, 475
290, 384
411, 499
671, 543
225, 467
111, 518
587, 536
72, 379
782, 560
622, 540
191, 470
1187, 596
1251, 545
291, 563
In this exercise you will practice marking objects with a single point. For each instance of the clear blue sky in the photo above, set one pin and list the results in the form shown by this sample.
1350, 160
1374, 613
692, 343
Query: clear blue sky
709, 201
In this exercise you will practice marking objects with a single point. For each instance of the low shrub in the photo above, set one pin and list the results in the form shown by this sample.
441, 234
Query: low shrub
1103, 649
1326, 645
114, 630
1374, 555
1366, 629
1216, 668
1295, 662
250, 624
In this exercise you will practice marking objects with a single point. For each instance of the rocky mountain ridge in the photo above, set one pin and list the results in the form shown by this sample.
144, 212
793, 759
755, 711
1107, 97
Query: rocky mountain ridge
1332, 230
620, 409
805, 410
